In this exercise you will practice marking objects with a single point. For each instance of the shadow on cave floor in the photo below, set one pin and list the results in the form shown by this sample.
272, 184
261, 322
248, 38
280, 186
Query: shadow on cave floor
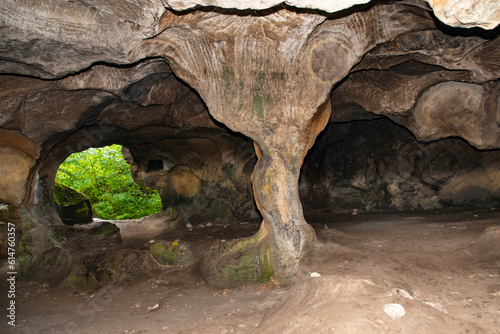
443, 268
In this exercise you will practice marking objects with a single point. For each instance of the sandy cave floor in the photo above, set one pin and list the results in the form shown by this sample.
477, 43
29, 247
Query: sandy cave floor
424, 262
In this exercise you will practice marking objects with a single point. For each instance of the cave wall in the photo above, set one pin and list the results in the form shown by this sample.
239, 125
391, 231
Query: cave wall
205, 175
378, 165
142, 106
151, 74
415, 68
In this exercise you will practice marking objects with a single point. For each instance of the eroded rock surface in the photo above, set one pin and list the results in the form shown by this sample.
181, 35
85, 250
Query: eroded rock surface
72, 206
376, 165
140, 106
204, 174
145, 75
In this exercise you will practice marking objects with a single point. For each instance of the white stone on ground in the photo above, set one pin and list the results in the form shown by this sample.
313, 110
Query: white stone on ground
394, 311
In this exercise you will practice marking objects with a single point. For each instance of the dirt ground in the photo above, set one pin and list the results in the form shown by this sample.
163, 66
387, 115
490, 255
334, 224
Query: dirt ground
430, 264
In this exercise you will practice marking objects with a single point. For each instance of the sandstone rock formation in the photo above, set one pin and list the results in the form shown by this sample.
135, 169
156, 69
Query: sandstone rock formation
484, 13
72, 206
150, 75
205, 174
376, 165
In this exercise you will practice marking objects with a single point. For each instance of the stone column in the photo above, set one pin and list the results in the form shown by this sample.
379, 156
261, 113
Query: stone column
269, 76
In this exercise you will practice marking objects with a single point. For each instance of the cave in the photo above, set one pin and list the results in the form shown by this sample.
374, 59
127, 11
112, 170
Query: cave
326, 166
155, 165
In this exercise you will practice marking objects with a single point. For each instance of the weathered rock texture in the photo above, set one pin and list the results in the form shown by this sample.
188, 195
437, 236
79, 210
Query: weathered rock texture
72, 206
18, 157
376, 165
435, 93
52, 38
203, 175
142, 106
83, 74
458, 13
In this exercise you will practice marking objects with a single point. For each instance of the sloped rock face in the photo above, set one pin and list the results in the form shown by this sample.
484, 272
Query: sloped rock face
458, 13
435, 94
485, 247
255, 85
53, 38
145, 104
84, 74
18, 157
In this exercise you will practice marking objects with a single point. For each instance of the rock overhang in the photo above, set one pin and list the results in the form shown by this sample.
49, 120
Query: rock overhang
484, 14
125, 87
75, 35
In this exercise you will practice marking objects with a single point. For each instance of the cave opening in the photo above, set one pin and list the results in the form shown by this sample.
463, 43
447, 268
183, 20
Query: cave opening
396, 203
155, 165
377, 165
103, 177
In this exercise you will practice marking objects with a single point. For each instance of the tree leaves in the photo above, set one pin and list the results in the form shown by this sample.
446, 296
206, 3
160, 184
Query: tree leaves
104, 176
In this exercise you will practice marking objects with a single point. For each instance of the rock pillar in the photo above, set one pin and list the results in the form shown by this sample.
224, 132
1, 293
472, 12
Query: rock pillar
268, 76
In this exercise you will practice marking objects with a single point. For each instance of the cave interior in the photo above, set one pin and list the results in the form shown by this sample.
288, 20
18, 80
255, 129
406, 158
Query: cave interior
245, 115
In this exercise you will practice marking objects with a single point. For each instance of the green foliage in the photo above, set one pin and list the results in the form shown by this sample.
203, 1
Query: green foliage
104, 176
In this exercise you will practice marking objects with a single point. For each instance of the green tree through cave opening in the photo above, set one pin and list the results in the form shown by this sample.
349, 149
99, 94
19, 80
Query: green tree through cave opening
104, 176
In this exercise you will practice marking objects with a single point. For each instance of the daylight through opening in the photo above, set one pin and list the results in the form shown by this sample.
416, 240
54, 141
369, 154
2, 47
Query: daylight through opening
103, 188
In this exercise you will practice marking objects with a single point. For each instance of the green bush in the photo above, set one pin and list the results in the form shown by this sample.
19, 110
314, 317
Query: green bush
104, 176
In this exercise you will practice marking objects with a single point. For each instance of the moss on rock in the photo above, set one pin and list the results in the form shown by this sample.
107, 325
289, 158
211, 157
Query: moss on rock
164, 254
72, 206
77, 281
54, 265
172, 253
239, 262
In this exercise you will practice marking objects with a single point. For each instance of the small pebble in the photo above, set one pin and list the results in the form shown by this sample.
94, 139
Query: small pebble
394, 311
404, 293
153, 307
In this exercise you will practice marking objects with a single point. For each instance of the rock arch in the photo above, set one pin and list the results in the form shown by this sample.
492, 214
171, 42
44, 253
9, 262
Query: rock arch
266, 75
